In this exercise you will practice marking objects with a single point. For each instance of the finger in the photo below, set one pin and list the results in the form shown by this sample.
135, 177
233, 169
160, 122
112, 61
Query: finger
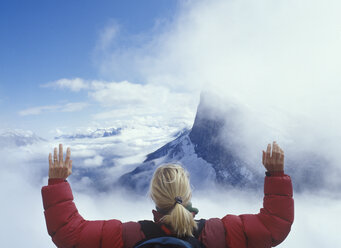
282, 154
68, 155
263, 158
50, 160
61, 154
268, 151
276, 152
70, 166
281, 151
55, 158
277, 147
274, 149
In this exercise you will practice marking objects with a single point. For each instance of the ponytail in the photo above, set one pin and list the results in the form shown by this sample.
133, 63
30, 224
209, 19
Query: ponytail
171, 192
181, 221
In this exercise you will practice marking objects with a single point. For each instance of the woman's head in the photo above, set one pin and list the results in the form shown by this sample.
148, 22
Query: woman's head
170, 190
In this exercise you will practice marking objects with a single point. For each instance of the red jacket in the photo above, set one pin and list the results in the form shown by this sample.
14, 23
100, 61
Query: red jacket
265, 229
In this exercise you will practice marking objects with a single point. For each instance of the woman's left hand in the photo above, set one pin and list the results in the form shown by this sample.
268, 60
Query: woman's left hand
58, 168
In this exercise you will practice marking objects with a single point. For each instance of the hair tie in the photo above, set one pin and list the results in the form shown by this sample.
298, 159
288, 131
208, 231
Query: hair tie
178, 200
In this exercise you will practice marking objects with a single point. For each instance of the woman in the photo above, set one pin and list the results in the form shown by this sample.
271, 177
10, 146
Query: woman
170, 190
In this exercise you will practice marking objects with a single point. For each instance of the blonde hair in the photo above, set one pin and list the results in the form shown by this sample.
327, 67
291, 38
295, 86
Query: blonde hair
171, 181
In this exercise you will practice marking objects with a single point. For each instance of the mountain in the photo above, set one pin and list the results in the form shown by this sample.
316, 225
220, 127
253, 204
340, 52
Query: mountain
98, 133
209, 152
18, 137
201, 151
209, 128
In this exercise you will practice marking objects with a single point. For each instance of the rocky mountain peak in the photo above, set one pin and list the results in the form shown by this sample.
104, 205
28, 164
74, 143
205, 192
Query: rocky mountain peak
200, 150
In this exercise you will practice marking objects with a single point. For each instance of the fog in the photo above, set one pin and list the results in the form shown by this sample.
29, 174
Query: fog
25, 172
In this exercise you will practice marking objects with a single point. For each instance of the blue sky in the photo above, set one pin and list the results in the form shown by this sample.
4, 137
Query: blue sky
47, 40
43, 41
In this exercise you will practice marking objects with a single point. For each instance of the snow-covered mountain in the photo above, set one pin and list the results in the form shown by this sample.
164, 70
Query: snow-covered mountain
18, 137
201, 152
98, 133
180, 151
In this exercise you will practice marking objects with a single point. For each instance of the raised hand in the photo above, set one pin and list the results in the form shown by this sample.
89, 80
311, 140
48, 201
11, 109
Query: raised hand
58, 168
273, 161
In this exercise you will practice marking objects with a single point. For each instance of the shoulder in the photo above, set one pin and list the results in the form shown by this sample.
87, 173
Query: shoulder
213, 233
131, 233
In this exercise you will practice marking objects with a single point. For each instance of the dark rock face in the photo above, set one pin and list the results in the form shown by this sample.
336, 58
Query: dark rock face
207, 136
207, 146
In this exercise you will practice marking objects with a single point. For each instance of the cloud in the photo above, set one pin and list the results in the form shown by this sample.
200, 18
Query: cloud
25, 172
23, 212
233, 44
129, 99
68, 107
75, 84
93, 162
122, 93
265, 52
38, 110
278, 61
74, 106
107, 35
82, 151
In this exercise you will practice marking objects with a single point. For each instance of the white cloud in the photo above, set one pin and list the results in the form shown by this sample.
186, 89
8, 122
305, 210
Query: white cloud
82, 151
122, 93
21, 211
238, 43
21, 179
38, 110
125, 99
278, 61
107, 35
93, 162
68, 107
75, 84
128, 101
74, 106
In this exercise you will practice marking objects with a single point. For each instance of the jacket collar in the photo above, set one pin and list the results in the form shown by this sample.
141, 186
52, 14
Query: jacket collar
157, 216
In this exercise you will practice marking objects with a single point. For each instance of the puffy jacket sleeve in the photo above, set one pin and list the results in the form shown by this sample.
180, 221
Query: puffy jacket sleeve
67, 227
271, 225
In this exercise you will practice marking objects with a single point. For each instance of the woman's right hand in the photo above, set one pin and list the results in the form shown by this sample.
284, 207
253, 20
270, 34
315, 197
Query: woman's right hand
273, 161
